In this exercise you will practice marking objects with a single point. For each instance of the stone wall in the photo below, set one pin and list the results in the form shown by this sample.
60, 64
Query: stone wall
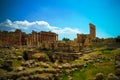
64, 57
19, 38
64, 46
10, 38
86, 39
83, 39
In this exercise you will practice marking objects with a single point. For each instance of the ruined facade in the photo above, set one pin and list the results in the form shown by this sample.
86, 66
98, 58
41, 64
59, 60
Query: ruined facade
86, 39
81, 38
41, 37
10, 38
19, 38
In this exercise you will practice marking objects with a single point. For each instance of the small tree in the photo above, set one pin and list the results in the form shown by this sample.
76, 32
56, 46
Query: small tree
66, 39
118, 39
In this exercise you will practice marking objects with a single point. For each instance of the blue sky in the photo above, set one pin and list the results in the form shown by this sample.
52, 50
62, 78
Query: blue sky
65, 17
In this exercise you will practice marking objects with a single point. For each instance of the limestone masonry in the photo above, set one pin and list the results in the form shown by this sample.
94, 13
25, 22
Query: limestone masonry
92, 31
19, 38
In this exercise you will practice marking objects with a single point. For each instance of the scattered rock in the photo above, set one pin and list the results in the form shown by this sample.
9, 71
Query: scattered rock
109, 59
86, 59
19, 57
40, 57
60, 67
117, 57
19, 68
117, 71
91, 61
7, 65
64, 57
29, 63
85, 65
68, 71
112, 76
36, 64
43, 64
70, 78
13, 57
117, 65
99, 76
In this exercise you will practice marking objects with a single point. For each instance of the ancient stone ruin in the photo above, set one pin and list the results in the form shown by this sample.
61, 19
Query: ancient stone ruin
46, 40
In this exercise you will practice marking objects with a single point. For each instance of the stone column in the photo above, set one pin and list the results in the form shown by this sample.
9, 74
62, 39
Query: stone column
92, 31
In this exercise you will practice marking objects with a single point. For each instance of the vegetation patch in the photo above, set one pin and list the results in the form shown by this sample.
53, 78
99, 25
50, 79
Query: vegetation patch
79, 75
17, 63
106, 51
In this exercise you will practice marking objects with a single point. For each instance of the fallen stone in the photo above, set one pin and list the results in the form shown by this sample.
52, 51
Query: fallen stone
19, 57
117, 71
19, 69
43, 64
112, 76
86, 59
7, 65
70, 78
99, 76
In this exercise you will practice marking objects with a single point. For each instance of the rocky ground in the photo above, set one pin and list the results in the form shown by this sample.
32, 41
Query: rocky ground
91, 64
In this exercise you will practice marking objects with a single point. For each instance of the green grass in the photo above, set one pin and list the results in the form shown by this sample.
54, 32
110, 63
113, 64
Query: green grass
105, 68
91, 70
78, 75
106, 51
63, 76
19, 52
17, 63
116, 51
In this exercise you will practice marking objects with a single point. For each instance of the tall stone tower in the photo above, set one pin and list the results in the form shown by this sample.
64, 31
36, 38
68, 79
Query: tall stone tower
92, 31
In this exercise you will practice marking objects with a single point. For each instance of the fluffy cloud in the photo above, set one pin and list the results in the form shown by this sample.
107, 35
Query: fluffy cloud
37, 26
66, 31
25, 24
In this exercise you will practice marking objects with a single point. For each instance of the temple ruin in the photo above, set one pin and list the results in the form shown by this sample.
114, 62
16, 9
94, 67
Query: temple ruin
19, 38
46, 40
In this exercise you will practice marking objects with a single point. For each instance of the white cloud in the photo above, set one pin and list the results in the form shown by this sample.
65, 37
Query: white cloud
25, 24
43, 23
66, 31
37, 25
